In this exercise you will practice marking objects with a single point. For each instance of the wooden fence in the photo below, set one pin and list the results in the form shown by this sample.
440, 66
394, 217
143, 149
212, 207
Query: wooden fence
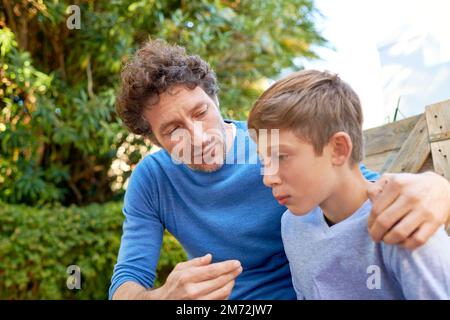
416, 144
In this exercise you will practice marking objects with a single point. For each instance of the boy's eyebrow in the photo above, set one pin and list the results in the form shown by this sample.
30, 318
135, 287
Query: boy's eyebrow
280, 146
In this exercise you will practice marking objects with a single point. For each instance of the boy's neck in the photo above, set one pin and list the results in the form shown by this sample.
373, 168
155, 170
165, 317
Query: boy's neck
349, 195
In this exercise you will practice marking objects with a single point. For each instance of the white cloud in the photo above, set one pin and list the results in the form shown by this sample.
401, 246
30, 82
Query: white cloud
356, 28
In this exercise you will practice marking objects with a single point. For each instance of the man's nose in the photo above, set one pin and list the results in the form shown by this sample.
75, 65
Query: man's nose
199, 139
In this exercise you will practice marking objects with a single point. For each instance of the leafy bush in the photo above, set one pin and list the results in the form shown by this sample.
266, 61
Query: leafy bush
61, 142
56, 144
59, 134
37, 246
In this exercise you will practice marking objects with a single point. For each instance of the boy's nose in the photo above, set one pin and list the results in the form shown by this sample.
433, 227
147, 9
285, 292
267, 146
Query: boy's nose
270, 179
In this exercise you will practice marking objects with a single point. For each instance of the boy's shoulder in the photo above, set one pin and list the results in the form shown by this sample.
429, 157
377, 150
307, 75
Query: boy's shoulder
436, 248
423, 273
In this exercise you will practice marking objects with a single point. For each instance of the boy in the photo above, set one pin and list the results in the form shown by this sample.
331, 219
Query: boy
314, 172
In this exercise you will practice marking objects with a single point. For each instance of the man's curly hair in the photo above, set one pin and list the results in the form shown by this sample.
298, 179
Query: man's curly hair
155, 68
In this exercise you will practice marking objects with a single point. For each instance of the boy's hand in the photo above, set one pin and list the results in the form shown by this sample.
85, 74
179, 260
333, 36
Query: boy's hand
407, 209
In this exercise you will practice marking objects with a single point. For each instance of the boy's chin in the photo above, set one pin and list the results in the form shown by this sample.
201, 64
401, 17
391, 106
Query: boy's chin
298, 210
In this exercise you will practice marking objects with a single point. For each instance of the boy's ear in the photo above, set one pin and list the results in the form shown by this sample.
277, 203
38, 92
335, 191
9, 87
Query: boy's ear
341, 148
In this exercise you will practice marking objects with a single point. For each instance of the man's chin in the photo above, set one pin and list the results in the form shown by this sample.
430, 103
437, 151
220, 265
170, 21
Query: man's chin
205, 167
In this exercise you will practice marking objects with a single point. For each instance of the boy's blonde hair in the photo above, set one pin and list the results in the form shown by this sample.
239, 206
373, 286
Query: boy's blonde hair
314, 105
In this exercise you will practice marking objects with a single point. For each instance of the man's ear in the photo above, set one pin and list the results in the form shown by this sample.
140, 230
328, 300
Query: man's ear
341, 148
153, 140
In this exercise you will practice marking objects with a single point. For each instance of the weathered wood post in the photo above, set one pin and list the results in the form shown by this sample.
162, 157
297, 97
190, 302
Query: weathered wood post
438, 121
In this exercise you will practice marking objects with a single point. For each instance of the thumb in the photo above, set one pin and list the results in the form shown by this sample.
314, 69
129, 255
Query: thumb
376, 187
374, 190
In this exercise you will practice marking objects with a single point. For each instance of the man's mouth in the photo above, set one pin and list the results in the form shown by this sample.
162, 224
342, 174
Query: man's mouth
210, 148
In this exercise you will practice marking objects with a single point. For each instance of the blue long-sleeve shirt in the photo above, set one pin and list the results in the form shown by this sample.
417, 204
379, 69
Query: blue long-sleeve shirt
228, 213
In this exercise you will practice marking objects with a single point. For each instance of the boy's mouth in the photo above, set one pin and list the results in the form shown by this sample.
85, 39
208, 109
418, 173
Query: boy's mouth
282, 199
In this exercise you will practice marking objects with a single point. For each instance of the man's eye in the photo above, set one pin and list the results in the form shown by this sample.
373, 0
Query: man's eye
172, 130
282, 157
203, 112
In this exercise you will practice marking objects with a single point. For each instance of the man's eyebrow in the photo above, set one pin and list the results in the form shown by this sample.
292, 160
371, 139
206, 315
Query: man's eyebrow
167, 124
199, 104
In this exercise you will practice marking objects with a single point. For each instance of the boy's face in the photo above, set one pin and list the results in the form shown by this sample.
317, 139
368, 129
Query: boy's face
303, 180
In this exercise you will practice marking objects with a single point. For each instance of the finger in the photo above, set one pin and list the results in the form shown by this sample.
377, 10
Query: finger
375, 188
196, 262
206, 287
212, 271
404, 228
222, 293
388, 218
420, 236
384, 198
372, 192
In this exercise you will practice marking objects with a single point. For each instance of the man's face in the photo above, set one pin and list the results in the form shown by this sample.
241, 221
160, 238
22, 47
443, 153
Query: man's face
187, 124
303, 180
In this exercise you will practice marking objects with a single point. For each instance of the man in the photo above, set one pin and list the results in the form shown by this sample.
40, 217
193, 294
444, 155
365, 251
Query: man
223, 208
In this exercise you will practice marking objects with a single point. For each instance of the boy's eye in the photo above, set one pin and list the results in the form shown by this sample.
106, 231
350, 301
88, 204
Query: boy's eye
282, 157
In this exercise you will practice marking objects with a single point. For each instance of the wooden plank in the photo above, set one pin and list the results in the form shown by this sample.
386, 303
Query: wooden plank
428, 165
377, 161
388, 161
438, 121
441, 155
388, 137
414, 152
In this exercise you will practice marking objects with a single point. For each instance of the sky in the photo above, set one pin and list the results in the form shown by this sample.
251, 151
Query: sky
356, 29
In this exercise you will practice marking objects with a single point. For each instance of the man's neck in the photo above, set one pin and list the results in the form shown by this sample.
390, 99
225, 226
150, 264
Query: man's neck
230, 132
349, 194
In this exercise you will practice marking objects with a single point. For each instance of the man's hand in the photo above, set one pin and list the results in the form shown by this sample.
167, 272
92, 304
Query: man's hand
194, 279
407, 209
199, 279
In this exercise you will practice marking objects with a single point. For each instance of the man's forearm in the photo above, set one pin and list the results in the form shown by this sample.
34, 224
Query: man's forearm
133, 291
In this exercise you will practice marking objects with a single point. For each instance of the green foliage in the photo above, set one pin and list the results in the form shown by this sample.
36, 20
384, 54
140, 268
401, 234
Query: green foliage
59, 134
37, 246
54, 147
61, 142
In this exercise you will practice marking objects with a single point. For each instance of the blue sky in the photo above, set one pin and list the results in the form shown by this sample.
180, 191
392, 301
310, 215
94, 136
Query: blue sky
357, 28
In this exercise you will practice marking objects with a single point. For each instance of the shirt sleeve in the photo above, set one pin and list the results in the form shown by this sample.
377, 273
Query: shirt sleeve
423, 273
369, 174
142, 233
